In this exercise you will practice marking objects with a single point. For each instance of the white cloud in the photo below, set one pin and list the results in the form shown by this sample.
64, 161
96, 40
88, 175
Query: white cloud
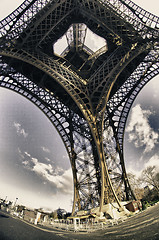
60, 178
65, 157
42, 168
62, 182
136, 172
25, 162
45, 149
34, 160
93, 41
47, 159
20, 153
140, 131
153, 161
28, 154
20, 130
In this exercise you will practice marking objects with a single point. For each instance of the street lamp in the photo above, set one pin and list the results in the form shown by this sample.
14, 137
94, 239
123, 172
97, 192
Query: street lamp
15, 201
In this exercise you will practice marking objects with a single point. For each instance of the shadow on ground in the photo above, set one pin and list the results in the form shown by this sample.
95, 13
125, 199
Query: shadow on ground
3, 216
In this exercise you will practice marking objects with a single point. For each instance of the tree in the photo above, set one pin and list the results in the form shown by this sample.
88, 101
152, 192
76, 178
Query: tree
150, 176
135, 185
157, 177
53, 215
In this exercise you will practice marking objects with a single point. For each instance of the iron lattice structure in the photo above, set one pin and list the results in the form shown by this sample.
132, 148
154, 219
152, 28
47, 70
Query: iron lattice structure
87, 95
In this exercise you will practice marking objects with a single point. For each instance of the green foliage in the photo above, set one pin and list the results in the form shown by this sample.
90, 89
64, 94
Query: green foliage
145, 205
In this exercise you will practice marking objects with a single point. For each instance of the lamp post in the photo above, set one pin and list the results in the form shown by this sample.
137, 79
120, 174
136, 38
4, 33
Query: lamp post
15, 201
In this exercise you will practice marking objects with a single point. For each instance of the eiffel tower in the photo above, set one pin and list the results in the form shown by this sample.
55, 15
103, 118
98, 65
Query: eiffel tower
86, 93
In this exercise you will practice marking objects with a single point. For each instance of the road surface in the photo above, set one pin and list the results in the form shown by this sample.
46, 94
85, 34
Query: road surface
143, 226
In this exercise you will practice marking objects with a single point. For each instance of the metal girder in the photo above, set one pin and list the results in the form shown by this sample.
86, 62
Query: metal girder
86, 95
119, 105
73, 130
75, 36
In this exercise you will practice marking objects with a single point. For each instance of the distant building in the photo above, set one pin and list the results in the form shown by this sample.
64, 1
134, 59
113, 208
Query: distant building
29, 215
19, 210
35, 216
5, 205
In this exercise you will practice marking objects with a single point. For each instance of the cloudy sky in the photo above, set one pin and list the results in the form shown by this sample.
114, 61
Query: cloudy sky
32, 167
34, 164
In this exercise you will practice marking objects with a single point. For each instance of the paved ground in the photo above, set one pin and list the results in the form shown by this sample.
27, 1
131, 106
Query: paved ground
143, 226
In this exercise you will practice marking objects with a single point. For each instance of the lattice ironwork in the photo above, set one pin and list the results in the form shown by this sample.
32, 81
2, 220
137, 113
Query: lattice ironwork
87, 95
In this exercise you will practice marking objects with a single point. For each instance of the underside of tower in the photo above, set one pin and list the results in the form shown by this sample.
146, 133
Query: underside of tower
83, 62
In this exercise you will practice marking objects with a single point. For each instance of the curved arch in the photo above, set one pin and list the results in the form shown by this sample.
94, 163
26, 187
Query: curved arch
73, 84
130, 10
10, 84
49, 66
149, 71
77, 140
11, 21
130, 40
120, 104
